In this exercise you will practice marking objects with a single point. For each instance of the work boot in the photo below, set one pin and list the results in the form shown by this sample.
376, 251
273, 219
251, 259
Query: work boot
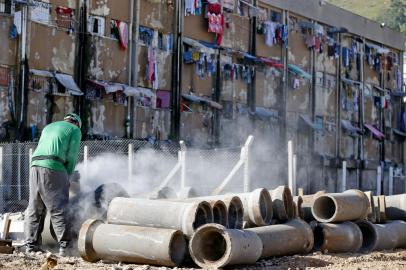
33, 249
63, 249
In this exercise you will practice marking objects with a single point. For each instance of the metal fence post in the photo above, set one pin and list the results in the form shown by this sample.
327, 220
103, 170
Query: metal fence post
379, 181
182, 161
29, 161
290, 165
19, 171
246, 152
391, 180
130, 162
1, 181
85, 162
294, 175
344, 177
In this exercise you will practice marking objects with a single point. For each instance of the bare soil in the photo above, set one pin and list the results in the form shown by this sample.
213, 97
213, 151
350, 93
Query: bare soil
377, 260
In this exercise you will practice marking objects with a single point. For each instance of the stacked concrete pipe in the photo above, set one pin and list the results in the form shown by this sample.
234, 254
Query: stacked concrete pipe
371, 211
336, 207
184, 216
214, 246
298, 202
307, 205
282, 202
256, 207
131, 244
294, 237
234, 206
388, 236
220, 212
337, 238
396, 207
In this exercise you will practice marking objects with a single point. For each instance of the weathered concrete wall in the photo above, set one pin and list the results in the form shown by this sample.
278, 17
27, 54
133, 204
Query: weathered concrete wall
58, 55
8, 47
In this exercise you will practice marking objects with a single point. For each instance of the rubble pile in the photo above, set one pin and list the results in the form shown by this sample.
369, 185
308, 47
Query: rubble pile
217, 231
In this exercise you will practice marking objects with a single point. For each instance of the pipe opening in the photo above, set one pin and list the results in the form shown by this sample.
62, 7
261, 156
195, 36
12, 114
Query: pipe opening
368, 236
220, 213
202, 217
217, 215
235, 215
324, 208
232, 216
265, 203
177, 249
212, 246
318, 233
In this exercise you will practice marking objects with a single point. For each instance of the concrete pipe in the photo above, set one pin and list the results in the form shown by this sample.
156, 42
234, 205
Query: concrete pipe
396, 207
184, 216
257, 207
370, 236
377, 207
294, 237
131, 244
308, 204
213, 246
382, 208
298, 202
388, 236
337, 238
235, 208
220, 214
337, 207
282, 203
371, 210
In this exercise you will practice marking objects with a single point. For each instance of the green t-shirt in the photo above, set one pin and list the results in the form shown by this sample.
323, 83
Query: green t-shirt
62, 140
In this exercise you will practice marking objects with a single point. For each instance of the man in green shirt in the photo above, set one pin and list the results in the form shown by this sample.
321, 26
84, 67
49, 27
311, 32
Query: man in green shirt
53, 161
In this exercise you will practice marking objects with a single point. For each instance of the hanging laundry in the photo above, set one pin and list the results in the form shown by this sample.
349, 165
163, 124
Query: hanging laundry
262, 15
270, 30
123, 31
346, 56
193, 7
216, 20
296, 83
310, 41
228, 5
399, 79
152, 68
146, 35
285, 35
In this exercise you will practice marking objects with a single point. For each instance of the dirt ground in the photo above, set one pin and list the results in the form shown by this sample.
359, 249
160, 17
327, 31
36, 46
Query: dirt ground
377, 260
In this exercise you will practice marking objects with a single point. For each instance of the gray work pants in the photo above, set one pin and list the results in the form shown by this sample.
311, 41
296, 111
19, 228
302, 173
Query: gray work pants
49, 191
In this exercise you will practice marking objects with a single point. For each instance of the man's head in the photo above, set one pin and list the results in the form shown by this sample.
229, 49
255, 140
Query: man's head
74, 119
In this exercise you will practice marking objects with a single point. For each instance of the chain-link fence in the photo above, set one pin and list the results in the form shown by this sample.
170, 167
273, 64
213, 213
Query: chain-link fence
109, 161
